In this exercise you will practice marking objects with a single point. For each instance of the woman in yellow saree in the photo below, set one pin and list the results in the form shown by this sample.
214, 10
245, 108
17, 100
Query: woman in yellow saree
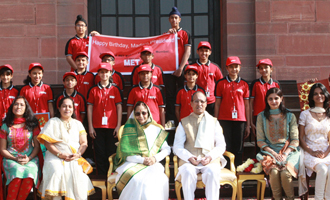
142, 146
65, 171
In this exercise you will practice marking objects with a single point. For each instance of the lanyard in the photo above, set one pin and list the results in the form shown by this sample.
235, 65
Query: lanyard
34, 98
206, 74
106, 93
145, 95
233, 92
3, 100
81, 81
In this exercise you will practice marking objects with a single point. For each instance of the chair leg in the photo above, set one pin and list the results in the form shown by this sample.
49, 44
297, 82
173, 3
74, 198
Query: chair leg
178, 190
109, 190
234, 186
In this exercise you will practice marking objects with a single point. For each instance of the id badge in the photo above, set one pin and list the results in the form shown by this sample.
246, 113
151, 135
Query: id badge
234, 114
104, 120
207, 94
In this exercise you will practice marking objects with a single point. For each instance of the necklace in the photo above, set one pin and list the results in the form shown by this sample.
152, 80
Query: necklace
67, 125
318, 112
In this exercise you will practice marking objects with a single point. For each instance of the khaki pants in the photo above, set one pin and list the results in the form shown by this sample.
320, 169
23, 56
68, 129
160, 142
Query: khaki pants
279, 179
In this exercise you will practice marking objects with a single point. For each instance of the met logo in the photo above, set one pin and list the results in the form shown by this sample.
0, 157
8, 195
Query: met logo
131, 62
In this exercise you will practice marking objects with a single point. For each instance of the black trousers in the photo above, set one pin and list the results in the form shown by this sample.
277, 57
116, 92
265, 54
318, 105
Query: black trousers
210, 108
172, 84
234, 133
104, 146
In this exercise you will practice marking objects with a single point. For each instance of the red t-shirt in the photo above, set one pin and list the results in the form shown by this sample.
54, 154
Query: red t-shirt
153, 96
232, 93
258, 90
208, 75
79, 103
117, 77
184, 40
7, 96
104, 101
85, 81
183, 99
75, 45
38, 96
156, 79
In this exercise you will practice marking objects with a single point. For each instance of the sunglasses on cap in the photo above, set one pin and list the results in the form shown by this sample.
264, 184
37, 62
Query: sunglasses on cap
139, 113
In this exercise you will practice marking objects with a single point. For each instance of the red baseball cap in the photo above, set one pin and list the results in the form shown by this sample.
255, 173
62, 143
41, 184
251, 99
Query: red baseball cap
191, 67
147, 48
108, 53
33, 65
144, 68
69, 74
7, 66
204, 44
106, 66
81, 53
233, 60
265, 62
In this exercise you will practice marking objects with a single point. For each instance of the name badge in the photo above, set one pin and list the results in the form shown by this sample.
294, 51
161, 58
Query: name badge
234, 114
104, 120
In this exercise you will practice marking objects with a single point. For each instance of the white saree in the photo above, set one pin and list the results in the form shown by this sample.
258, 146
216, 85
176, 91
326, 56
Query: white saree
61, 178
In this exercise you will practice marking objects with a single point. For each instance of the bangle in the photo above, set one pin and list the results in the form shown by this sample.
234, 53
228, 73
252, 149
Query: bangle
58, 154
284, 153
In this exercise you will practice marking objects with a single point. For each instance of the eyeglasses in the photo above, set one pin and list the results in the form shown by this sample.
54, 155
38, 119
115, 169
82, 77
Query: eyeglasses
80, 25
199, 101
139, 113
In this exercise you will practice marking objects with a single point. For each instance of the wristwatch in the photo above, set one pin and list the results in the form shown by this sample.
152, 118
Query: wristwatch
58, 154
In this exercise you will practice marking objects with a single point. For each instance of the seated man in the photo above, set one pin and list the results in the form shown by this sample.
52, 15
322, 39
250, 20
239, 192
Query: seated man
199, 143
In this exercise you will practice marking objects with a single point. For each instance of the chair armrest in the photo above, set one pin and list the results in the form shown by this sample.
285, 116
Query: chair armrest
167, 166
111, 164
176, 167
232, 160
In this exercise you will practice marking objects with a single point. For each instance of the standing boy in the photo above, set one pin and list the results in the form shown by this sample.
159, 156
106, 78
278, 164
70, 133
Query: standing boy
147, 54
183, 97
69, 82
148, 93
7, 91
85, 79
209, 74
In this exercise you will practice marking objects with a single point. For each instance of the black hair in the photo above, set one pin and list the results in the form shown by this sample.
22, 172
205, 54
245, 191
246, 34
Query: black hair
282, 108
204, 48
81, 56
113, 58
140, 103
5, 71
186, 71
58, 114
31, 121
80, 18
27, 80
192, 96
326, 95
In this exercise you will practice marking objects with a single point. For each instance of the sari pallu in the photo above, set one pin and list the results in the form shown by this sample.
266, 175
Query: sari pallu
266, 136
134, 142
61, 178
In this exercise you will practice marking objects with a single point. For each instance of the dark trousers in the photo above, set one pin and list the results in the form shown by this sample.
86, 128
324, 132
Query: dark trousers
104, 146
234, 133
172, 83
210, 108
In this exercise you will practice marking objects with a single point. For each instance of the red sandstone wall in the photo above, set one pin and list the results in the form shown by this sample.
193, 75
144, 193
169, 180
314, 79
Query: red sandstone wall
295, 35
37, 31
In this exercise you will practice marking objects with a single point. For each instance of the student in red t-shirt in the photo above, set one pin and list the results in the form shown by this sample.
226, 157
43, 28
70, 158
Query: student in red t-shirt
104, 114
259, 88
79, 42
232, 108
69, 82
148, 93
85, 79
183, 97
209, 73
38, 94
7, 91
118, 80
147, 54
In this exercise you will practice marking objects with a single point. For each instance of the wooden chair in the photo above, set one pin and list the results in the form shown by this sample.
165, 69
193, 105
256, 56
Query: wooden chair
112, 175
227, 176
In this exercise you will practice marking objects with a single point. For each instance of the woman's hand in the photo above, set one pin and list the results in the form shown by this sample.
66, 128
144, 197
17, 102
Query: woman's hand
72, 157
23, 159
149, 161
318, 154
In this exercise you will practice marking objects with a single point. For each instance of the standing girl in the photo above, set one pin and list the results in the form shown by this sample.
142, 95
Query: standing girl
38, 94
232, 108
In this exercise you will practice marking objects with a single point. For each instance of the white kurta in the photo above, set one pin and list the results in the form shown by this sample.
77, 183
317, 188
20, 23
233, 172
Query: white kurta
210, 172
151, 182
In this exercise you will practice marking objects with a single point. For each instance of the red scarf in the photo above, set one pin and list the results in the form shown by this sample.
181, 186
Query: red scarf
19, 120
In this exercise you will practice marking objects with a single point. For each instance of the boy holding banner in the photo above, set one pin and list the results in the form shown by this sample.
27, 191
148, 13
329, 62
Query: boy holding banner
184, 50
147, 55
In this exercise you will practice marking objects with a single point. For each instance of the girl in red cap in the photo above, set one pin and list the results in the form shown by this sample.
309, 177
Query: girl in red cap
38, 94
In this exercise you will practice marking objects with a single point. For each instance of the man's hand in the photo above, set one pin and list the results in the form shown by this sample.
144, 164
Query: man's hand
206, 160
92, 132
193, 160
177, 72
149, 161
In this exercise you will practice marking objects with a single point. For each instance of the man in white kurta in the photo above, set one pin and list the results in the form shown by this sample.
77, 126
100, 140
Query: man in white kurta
200, 144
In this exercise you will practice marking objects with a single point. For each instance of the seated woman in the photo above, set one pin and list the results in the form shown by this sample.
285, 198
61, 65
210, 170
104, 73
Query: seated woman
277, 137
314, 129
19, 147
64, 172
142, 146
